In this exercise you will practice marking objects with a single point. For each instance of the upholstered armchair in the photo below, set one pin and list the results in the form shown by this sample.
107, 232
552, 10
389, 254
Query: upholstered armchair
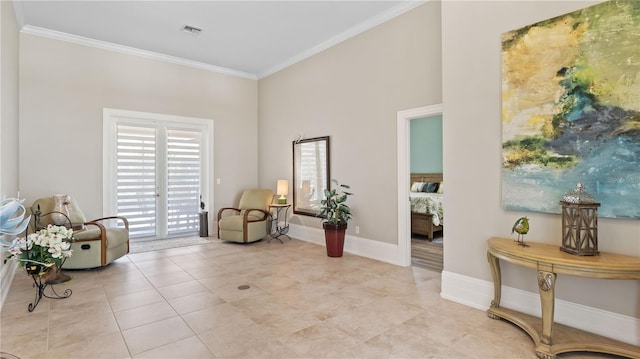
96, 243
249, 222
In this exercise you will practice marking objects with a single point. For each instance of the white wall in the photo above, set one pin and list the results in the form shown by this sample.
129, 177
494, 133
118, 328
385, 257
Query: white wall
64, 88
8, 122
9, 101
472, 157
352, 93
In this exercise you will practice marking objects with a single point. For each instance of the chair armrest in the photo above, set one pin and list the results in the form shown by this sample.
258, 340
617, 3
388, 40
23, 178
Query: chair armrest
246, 219
102, 238
227, 209
100, 226
120, 218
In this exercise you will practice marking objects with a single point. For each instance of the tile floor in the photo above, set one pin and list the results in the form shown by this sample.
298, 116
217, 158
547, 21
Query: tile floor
185, 303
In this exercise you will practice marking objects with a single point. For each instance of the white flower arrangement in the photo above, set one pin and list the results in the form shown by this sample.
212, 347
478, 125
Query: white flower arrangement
47, 246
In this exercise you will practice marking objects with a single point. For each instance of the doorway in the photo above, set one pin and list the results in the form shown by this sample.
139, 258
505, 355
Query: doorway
427, 233
404, 169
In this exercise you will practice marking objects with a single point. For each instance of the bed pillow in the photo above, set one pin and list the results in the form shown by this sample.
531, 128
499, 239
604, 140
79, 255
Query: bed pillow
440, 187
417, 186
430, 187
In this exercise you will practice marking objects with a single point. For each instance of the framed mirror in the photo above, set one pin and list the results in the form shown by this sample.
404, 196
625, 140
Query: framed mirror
310, 174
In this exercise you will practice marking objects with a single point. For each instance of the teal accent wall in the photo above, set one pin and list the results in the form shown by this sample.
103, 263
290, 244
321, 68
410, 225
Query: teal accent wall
426, 144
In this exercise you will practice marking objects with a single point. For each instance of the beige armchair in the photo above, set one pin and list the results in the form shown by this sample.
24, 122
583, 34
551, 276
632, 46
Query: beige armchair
96, 244
249, 222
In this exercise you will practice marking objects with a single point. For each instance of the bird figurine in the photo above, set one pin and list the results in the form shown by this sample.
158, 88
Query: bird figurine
521, 227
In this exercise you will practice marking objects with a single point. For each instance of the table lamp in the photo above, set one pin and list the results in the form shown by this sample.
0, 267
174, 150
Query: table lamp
282, 191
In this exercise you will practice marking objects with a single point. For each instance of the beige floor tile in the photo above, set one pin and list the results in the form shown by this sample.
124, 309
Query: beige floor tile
218, 316
32, 344
182, 289
80, 296
20, 308
116, 287
389, 287
139, 316
403, 341
194, 302
171, 278
134, 300
325, 307
158, 269
230, 291
108, 346
191, 348
273, 283
137, 258
99, 325
281, 323
64, 312
146, 337
358, 296
272, 349
368, 321
321, 340
110, 278
297, 295
235, 339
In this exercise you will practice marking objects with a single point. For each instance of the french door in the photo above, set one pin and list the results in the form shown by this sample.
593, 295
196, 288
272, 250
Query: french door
158, 171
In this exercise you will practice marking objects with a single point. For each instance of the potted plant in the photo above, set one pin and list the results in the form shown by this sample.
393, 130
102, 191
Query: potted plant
43, 253
336, 214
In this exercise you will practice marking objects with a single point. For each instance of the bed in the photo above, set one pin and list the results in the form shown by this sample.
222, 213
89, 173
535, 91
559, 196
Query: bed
427, 196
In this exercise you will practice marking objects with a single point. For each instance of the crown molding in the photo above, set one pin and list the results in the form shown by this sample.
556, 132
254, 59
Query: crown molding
17, 9
369, 24
57, 35
358, 29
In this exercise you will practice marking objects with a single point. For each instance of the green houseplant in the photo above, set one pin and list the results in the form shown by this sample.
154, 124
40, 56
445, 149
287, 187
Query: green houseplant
336, 214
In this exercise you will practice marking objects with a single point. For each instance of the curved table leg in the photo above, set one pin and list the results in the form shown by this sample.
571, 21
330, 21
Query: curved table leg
547, 284
494, 262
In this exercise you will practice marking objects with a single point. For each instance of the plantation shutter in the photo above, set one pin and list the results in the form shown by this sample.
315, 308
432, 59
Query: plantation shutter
183, 180
136, 178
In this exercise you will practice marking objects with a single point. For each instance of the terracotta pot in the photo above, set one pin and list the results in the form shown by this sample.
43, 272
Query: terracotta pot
334, 238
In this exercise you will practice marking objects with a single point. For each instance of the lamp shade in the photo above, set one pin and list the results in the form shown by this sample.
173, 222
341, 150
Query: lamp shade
282, 190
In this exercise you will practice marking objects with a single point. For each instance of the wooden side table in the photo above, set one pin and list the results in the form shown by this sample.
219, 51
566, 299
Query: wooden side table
549, 260
275, 229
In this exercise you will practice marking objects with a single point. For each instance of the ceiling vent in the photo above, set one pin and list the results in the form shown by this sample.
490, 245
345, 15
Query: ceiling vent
191, 29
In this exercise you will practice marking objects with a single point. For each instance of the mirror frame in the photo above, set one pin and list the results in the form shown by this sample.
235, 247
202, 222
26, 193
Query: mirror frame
299, 207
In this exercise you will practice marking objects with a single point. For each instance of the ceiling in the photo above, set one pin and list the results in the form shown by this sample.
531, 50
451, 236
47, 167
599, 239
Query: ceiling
245, 38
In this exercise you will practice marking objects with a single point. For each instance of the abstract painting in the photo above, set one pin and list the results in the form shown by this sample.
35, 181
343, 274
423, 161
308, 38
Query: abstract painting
571, 110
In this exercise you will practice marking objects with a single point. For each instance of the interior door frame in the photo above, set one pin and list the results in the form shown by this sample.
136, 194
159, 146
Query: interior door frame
404, 170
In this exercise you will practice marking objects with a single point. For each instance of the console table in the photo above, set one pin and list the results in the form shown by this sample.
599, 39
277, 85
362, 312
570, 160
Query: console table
549, 261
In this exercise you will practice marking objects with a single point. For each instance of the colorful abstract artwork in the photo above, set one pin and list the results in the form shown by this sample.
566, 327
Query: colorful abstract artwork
571, 110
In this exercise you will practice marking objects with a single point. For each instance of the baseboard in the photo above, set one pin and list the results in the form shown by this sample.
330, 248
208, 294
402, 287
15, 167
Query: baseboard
478, 294
384, 252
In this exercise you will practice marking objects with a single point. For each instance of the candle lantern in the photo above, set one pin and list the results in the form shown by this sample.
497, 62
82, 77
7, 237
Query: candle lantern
579, 223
